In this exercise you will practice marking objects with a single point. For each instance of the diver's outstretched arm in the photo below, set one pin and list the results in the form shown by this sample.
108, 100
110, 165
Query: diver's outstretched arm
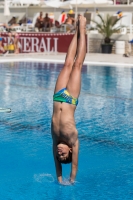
57, 165
74, 165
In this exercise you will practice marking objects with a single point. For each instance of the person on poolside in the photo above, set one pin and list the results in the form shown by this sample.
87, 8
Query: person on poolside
67, 90
11, 24
40, 22
1, 45
70, 23
16, 43
10, 45
70, 20
47, 22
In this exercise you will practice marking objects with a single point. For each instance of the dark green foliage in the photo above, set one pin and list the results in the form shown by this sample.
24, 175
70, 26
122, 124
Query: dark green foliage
108, 26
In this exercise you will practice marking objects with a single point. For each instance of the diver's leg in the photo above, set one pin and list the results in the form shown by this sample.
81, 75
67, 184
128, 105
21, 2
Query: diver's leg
74, 82
67, 68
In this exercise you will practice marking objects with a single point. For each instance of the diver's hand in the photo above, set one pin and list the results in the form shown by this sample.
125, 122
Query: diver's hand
71, 181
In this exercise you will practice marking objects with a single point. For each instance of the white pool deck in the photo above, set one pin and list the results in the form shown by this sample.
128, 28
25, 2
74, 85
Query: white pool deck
91, 58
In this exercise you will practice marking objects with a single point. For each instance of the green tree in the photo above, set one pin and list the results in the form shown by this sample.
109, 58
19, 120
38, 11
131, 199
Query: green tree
108, 26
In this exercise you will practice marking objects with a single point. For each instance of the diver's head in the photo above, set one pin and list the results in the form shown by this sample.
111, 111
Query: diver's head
64, 153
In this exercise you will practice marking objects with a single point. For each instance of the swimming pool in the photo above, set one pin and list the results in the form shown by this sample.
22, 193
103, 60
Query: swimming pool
104, 122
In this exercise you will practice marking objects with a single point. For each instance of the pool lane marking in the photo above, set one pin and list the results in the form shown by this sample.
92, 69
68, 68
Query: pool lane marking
83, 93
110, 97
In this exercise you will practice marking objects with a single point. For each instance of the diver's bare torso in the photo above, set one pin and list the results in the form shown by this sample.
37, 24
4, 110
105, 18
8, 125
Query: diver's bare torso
63, 124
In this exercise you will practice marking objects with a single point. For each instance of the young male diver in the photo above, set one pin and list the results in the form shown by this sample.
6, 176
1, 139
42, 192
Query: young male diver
67, 90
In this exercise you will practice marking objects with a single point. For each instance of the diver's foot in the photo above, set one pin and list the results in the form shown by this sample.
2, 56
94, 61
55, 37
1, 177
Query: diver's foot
82, 23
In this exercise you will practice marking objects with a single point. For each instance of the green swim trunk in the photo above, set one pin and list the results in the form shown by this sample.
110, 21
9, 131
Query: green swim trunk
64, 96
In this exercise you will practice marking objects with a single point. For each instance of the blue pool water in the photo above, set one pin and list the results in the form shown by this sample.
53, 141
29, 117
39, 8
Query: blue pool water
104, 119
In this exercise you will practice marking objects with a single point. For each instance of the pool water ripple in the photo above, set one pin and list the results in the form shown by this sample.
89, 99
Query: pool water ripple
104, 122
